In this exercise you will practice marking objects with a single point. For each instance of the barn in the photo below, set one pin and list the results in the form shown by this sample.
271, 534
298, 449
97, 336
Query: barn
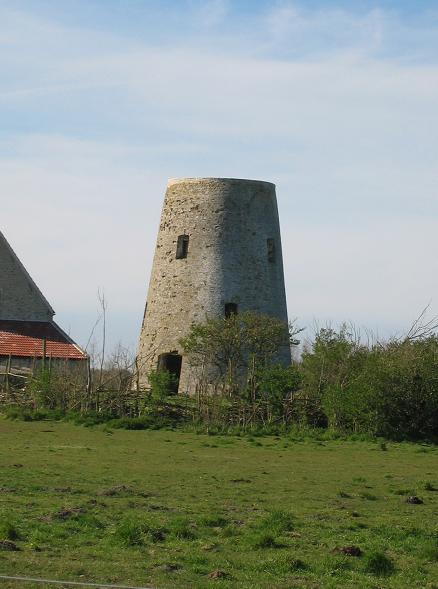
28, 334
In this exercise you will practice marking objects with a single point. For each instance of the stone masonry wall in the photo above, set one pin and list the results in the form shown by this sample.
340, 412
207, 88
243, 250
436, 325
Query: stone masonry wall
228, 222
20, 298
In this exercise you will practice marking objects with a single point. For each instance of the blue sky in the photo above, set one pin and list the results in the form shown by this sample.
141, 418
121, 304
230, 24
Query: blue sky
336, 102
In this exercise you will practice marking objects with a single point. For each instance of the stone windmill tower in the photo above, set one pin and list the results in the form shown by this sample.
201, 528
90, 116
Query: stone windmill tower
218, 252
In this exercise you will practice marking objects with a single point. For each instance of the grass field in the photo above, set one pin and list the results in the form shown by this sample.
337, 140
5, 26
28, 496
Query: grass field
174, 509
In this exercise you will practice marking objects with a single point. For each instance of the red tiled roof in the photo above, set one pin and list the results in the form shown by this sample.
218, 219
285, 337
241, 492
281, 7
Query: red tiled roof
25, 339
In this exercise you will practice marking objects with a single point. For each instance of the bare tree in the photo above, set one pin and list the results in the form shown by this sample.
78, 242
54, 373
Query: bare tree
422, 327
103, 305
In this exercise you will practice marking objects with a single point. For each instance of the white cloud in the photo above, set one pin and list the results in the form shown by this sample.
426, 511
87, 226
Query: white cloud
296, 29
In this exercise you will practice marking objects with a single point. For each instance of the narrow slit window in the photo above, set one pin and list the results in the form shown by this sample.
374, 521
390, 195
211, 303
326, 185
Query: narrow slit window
271, 250
182, 247
230, 309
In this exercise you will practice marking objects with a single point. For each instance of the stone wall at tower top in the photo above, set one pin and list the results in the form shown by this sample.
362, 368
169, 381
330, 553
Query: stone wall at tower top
195, 180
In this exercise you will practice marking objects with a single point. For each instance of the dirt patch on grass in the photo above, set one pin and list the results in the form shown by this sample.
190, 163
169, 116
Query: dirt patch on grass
218, 574
63, 514
349, 550
123, 491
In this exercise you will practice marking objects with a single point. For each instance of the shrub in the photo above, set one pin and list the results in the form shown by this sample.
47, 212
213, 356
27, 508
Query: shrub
386, 389
163, 383
275, 383
27, 414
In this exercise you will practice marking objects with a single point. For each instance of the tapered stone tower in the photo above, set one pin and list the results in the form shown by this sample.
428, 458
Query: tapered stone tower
218, 252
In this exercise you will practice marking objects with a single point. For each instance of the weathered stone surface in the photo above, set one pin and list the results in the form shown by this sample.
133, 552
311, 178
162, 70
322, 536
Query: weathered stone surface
20, 298
234, 256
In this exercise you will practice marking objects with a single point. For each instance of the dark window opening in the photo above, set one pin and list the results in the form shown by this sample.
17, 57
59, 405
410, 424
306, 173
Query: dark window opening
271, 249
230, 309
172, 363
182, 247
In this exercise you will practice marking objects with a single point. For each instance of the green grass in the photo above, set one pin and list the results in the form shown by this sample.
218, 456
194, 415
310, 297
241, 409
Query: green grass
167, 509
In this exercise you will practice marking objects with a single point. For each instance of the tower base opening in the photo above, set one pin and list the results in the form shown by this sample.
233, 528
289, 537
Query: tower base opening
172, 363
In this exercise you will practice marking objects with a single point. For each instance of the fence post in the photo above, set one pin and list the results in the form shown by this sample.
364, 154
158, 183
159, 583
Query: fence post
89, 382
43, 360
8, 370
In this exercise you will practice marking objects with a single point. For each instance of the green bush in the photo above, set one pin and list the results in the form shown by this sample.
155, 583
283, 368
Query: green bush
163, 383
27, 414
387, 389
341, 387
275, 383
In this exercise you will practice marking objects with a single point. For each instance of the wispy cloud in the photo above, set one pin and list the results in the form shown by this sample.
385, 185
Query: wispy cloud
329, 29
209, 13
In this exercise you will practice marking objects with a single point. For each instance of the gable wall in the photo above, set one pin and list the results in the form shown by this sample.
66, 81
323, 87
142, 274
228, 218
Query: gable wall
20, 298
